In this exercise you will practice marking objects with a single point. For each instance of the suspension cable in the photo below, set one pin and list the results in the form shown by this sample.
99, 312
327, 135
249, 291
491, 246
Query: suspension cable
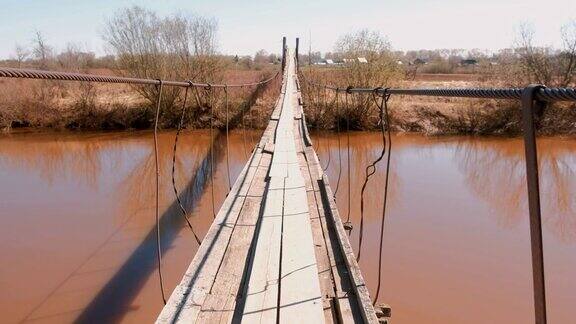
244, 134
252, 129
227, 139
210, 101
182, 209
328, 146
159, 254
67, 76
317, 127
338, 136
371, 168
322, 108
348, 154
388, 131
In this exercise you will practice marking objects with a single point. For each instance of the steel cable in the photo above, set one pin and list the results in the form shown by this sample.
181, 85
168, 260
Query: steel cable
244, 134
385, 198
544, 94
317, 127
371, 168
182, 209
159, 254
348, 156
210, 101
339, 145
319, 134
67, 76
227, 139
328, 146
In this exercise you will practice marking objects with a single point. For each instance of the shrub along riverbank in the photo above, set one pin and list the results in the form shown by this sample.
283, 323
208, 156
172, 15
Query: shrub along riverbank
96, 106
430, 115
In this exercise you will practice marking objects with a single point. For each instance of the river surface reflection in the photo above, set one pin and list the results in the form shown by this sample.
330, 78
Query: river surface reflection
456, 246
77, 223
77, 239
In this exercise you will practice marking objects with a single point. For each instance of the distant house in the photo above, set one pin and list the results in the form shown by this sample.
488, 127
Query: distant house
469, 62
362, 60
329, 62
419, 61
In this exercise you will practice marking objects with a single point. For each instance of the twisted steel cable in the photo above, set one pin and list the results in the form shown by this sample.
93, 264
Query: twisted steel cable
317, 124
182, 209
386, 114
244, 135
157, 209
339, 146
544, 94
210, 101
348, 156
68, 76
328, 147
371, 168
227, 139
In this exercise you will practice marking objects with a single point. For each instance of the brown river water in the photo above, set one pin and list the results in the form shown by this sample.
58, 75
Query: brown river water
77, 239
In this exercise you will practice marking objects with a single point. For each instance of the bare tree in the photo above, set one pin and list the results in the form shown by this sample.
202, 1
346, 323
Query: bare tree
175, 47
21, 54
74, 58
546, 65
568, 55
261, 57
42, 51
381, 68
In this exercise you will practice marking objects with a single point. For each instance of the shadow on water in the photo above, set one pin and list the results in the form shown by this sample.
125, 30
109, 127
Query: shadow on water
111, 303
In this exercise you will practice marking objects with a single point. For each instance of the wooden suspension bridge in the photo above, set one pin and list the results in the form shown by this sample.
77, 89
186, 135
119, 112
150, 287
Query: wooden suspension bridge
277, 250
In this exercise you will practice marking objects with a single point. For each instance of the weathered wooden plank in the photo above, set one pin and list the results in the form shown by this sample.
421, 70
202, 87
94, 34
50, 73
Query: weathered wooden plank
262, 285
298, 302
361, 291
185, 301
227, 283
322, 260
346, 305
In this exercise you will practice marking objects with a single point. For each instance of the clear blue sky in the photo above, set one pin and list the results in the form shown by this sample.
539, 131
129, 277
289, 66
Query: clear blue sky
246, 26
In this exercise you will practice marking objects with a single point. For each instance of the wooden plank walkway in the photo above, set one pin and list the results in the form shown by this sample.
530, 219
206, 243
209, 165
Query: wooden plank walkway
277, 251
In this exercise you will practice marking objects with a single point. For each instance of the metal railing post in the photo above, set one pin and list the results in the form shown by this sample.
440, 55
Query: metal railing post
283, 53
530, 106
297, 52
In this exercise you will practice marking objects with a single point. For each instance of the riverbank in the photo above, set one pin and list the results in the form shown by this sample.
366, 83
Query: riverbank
47, 104
80, 106
433, 115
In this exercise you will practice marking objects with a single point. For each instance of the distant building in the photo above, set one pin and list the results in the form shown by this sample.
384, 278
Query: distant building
329, 62
469, 62
362, 60
419, 61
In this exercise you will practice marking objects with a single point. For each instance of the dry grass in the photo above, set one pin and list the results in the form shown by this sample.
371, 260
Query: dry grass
432, 115
72, 105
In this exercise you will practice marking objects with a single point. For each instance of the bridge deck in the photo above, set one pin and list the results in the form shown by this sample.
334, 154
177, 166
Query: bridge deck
277, 251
